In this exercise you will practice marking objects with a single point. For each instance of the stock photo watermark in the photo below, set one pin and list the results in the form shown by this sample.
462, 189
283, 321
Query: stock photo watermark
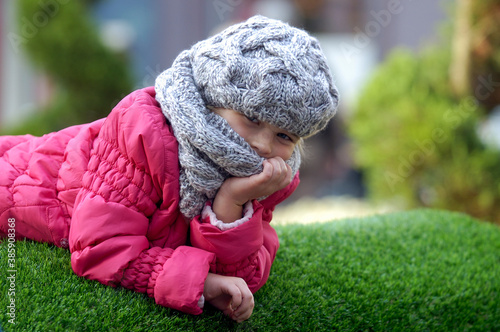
223, 7
11, 271
380, 20
427, 147
30, 26
150, 77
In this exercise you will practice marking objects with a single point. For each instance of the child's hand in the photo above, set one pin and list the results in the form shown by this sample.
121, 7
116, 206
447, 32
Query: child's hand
235, 192
275, 176
229, 294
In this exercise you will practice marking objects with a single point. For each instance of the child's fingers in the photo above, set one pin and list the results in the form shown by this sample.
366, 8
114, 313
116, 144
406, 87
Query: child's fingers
282, 172
268, 168
276, 167
245, 309
276, 175
288, 173
236, 297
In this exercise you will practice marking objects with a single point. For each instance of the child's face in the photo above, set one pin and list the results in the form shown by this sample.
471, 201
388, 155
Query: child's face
267, 140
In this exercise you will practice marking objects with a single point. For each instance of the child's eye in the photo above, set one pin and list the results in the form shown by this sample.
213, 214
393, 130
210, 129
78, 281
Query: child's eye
253, 120
285, 137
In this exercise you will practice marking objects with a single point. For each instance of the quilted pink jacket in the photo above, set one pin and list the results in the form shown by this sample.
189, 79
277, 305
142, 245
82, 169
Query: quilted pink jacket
109, 190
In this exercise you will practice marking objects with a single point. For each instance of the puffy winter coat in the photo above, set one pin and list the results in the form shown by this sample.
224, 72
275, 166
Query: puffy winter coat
109, 190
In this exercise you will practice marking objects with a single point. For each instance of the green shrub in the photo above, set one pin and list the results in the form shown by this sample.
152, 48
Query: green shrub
62, 41
417, 143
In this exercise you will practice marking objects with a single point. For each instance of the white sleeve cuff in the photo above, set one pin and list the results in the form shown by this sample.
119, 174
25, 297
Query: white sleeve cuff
201, 302
209, 213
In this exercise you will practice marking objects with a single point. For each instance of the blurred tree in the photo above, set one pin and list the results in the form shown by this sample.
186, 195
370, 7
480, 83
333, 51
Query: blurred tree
475, 52
485, 52
461, 49
309, 10
62, 41
415, 129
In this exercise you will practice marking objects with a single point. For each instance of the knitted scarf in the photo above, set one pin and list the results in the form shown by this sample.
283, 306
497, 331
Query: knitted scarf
210, 151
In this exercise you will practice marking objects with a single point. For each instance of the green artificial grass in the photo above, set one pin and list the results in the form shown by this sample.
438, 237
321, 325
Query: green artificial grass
421, 270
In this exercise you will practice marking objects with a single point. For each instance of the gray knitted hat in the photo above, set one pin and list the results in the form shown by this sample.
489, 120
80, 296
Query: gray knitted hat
269, 70
263, 68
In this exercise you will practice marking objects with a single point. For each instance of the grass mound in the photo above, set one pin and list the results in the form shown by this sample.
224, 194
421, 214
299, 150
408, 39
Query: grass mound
407, 271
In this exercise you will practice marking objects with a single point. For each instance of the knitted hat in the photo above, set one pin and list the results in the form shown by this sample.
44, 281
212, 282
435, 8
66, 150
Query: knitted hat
262, 68
268, 70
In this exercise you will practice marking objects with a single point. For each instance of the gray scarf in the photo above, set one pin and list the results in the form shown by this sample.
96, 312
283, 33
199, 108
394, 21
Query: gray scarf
210, 151
262, 68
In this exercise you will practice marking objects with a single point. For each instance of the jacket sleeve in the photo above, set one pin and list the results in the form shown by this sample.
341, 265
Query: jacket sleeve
122, 189
247, 250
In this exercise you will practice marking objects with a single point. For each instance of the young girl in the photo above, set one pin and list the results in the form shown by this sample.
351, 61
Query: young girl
172, 194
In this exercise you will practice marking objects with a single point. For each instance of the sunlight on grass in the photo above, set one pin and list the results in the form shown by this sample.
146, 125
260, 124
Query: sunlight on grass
310, 210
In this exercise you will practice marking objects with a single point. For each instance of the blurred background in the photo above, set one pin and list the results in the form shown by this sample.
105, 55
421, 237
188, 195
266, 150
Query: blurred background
418, 124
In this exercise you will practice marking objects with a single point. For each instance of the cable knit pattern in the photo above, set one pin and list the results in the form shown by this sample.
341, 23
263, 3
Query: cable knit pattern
262, 68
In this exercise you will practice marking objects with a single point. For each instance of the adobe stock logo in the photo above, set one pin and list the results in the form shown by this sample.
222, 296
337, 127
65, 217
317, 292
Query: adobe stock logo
452, 118
223, 7
30, 27
363, 37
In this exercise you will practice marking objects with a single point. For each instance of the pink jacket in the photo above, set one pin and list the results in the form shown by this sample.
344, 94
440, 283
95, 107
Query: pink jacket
109, 190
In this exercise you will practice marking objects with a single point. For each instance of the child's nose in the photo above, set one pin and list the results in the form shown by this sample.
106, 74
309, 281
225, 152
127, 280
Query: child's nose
262, 144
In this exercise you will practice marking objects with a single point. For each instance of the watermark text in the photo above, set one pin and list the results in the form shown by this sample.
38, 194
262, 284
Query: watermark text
11, 270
